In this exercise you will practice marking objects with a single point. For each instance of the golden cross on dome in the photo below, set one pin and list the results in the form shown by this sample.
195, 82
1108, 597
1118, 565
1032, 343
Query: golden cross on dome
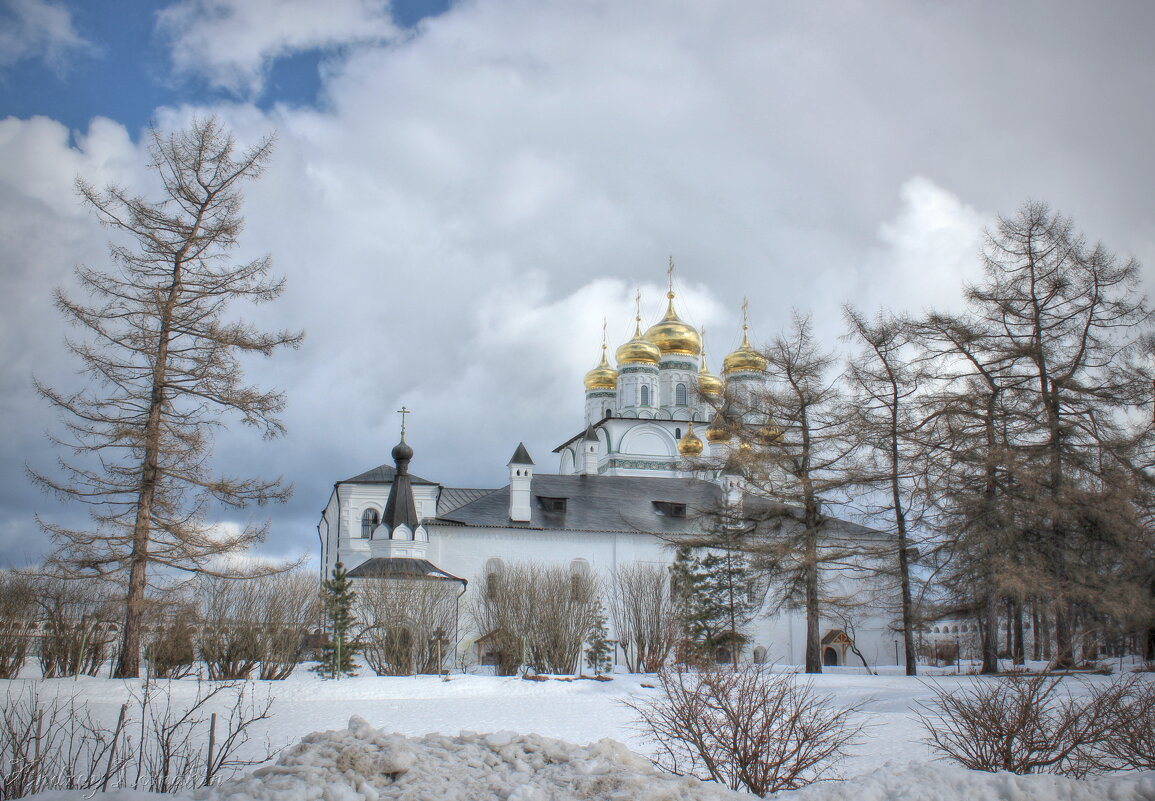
745, 313
670, 276
638, 305
403, 411
604, 323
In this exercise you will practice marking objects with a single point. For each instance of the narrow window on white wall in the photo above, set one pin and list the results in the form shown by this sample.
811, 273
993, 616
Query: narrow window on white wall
579, 570
493, 569
680, 395
369, 521
645, 394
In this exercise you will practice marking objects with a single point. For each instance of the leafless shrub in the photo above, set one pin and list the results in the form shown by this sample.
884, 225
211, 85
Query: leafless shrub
229, 638
17, 621
748, 728
173, 754
154, 745
77, 626
1130, 744
287, 607
53, 745
170, 651
536, 614
642, 610
1021, 724
408, 624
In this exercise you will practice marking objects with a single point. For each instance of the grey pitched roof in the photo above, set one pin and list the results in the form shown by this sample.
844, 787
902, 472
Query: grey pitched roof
402, 568
382, 474
455, 497
581, 434
597, 503
521, 455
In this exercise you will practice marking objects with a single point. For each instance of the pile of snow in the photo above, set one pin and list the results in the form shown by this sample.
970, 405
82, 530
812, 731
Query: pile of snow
362, 763
942, 782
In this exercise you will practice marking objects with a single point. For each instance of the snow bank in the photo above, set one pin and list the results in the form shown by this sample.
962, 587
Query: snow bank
943, 782
362, 763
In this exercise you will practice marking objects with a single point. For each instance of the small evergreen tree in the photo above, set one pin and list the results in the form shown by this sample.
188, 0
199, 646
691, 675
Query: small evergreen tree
337, 599
598, 647
716, 597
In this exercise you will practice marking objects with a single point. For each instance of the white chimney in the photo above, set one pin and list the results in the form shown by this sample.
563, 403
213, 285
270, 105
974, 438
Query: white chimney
520, 485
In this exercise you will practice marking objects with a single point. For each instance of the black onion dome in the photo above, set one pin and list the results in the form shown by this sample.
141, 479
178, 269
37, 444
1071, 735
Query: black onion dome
402, 452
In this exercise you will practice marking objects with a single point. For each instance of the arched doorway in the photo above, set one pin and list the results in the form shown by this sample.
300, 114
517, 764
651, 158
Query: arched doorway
829, 657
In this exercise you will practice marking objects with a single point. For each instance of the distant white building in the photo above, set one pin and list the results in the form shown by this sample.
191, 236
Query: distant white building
628, 484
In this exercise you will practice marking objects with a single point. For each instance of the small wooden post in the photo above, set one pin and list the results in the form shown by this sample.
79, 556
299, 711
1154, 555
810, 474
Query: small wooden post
212, 745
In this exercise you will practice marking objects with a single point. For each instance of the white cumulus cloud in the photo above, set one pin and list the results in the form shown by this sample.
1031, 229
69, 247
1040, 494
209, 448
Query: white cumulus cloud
231, 43
38, 29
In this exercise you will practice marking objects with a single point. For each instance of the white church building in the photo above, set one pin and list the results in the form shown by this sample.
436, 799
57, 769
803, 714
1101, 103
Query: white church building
636, 476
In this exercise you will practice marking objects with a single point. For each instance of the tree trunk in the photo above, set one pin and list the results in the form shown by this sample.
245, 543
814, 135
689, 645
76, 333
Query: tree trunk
128, 665
1018, 649
813, 635
1064, 637
989, 627
1036, 633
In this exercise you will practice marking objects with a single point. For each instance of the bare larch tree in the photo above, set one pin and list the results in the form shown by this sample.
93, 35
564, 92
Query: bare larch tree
884, 383
163, 365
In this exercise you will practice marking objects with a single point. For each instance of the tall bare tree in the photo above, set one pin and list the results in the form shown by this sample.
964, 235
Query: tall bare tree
798, 467
1070, 311
968, 424
163, 365
642, 610
884, 382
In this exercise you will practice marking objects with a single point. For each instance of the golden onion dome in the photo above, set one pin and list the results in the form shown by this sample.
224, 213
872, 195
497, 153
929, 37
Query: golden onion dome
745, 359
708, 383
638, 350
603, 376
768, 435
718, 431
672, 335
690, 445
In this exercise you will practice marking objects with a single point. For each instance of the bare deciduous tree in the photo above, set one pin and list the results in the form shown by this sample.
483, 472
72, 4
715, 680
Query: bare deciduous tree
539, 613
798, 465
287, 608
642, 610
76, 626
884, 382
407, 625
229, 636
163, 364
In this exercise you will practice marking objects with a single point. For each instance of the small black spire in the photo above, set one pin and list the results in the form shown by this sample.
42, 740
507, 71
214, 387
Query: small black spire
520, 456
401, 508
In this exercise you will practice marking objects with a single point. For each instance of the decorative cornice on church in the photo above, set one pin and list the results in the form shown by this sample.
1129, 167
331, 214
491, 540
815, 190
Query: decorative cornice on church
640, 464
678, 365
638, 368
601, 393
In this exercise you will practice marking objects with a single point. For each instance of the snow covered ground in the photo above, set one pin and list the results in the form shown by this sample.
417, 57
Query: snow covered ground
508, 739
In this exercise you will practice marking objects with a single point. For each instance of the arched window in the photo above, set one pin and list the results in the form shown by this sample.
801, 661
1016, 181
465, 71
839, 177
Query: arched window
680, 395
645, 395
579, 571
369, 521
493, 570
609, 413
677, 433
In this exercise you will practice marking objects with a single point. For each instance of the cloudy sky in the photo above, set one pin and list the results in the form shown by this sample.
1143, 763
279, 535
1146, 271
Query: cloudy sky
461, 191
